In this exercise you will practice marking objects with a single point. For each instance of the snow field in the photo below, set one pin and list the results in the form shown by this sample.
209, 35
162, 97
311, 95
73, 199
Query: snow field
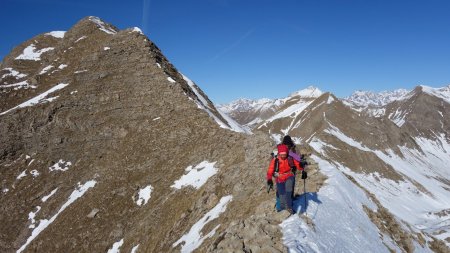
340, 223
405, 199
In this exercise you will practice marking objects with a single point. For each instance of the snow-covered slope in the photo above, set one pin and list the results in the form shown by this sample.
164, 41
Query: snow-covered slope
340, 222
443, 93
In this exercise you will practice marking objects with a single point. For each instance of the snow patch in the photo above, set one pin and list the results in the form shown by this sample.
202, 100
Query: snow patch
159, 65
376, 112
57, 34
30, 53
62, 66
196, 176
134, 249
81, 38
34, 173
170, 79
102, 25
193, 239
46, 197
116, 246
37, 99
276, 137
330, 99
31, 217
144, 195
22, 175
80, 71
292, 111
13, 73
43, 224
155, 119
19, 85
106, 48
137, 29
61, 165
45, 70
398, 118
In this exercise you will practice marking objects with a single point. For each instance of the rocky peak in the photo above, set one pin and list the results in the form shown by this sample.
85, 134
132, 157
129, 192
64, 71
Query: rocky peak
111, 117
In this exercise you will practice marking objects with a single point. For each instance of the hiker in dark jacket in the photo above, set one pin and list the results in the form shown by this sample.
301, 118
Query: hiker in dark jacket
291, 146
284, 177
287, 140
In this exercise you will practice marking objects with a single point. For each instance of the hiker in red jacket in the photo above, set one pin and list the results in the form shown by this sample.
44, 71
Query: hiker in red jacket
284, 176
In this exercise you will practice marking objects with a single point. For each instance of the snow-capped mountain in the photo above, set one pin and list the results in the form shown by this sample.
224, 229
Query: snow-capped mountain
252, 112
368, 98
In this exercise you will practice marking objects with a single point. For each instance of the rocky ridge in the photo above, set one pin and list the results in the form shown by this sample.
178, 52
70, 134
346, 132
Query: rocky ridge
92, 145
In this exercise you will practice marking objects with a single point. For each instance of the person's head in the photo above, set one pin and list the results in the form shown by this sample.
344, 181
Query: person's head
283, 151
288, 142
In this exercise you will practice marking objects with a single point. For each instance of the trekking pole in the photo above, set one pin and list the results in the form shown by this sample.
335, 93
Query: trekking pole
304, 193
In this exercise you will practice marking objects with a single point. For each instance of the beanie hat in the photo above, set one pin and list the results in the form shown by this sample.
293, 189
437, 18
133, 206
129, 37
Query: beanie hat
282, 149
288, 141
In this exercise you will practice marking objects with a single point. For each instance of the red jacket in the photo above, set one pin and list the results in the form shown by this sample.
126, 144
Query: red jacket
284, 169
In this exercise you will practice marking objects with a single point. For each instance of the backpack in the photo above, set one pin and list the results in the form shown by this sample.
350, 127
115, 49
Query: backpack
291, 164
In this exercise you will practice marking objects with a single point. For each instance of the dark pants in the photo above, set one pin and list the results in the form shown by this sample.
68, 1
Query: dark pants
284, 191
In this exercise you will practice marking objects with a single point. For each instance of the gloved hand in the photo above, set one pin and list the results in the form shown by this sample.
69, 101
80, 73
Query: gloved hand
304, 174
270, 183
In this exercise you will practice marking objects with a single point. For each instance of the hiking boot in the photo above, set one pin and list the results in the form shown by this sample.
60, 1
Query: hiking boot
290, 211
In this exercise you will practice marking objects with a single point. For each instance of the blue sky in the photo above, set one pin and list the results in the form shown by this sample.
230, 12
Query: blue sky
265, 48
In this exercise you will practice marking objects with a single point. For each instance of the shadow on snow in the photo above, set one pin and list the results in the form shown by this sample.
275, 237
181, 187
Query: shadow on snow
300, 204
